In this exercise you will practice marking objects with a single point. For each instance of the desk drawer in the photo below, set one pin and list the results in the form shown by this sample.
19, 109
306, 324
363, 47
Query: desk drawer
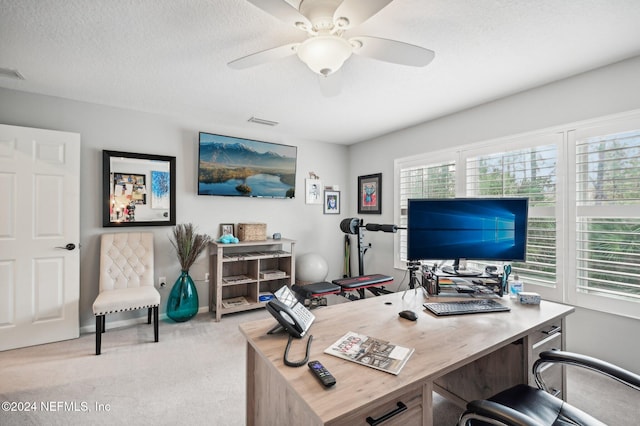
554, 341
545, 332
392, 408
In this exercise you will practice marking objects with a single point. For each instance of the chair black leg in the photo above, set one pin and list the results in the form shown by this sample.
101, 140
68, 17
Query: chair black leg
155, 323
104, 323
149, 315
99, 331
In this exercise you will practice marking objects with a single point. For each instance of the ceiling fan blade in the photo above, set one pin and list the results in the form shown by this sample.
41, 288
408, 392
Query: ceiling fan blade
358, 11
264, 56
283, 11
331, 85
393, 51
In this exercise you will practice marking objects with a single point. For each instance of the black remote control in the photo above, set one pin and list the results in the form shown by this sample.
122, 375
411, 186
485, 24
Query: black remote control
322, 373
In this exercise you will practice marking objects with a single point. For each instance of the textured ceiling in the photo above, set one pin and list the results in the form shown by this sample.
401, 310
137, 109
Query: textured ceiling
170, 56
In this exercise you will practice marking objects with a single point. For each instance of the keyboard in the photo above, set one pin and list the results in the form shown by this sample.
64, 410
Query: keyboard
459, 307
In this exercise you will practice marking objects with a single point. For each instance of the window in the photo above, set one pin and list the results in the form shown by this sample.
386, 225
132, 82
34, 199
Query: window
583, 185
427, 181
607, 224
525, 172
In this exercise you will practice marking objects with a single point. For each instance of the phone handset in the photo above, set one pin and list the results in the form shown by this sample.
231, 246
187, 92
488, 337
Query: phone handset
293, 325
286, 318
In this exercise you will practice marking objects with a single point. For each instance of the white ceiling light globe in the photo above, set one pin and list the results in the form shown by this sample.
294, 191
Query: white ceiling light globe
324, 54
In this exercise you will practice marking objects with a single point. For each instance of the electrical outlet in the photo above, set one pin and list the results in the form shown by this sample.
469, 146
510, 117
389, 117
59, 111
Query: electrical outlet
206, 276
162, 281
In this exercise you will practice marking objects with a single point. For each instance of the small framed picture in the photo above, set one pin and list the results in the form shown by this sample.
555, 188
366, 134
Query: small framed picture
370, 194
331, 202
313, 191
227, 229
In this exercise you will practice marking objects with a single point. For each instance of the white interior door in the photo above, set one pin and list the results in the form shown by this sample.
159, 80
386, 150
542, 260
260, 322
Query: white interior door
39, 236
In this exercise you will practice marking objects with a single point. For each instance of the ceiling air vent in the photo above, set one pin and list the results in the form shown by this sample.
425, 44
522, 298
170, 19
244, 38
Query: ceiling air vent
9, 73
263, 121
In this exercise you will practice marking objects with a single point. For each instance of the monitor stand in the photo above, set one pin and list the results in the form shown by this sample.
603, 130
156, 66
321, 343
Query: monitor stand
455, 269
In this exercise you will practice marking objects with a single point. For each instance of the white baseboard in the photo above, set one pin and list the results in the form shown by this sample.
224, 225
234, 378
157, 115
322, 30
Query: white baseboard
124, 323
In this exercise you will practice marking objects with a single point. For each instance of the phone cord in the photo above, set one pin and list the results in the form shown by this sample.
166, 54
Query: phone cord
296, 363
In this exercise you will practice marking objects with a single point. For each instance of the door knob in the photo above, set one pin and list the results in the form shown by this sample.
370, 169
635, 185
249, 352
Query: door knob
69, 247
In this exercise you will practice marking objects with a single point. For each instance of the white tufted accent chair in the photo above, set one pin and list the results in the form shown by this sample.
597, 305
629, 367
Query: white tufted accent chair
126, 279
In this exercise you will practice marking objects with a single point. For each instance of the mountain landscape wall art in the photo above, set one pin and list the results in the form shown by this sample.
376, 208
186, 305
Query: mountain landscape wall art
231, 166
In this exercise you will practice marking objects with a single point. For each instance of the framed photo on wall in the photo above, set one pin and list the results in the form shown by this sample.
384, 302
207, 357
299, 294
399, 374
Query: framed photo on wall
370, 194
313, 191
331, 202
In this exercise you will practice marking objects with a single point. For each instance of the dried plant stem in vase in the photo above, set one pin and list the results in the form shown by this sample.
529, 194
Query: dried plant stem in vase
183, 300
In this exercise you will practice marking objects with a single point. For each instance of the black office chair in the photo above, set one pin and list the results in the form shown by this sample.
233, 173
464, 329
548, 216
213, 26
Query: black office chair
524, 405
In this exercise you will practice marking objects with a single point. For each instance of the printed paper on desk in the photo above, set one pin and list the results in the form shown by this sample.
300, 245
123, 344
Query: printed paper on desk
372, 352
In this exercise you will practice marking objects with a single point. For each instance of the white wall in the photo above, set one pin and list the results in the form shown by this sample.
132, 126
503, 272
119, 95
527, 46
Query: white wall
103, 127
609, 90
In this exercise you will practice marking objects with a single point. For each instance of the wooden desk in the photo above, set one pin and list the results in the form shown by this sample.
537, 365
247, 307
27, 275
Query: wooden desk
462, 357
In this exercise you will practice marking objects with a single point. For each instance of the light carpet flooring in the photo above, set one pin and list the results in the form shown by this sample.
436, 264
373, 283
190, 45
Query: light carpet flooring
194, 375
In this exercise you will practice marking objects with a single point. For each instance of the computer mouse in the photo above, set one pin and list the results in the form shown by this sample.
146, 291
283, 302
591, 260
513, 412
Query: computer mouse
410, 315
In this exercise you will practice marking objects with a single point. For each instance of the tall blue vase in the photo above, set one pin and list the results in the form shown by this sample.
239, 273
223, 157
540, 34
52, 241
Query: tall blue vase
183, 299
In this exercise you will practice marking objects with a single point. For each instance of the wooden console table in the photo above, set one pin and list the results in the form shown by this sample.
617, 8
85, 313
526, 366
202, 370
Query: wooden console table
248, 269
462, 357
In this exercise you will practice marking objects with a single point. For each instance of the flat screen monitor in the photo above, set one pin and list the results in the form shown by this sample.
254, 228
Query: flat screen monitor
234, 166
490, 229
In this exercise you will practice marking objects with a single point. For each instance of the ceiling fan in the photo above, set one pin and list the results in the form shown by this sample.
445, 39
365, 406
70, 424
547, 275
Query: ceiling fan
326, 49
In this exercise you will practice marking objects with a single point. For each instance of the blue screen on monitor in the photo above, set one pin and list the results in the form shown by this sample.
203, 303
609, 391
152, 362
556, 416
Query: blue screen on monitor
467, 228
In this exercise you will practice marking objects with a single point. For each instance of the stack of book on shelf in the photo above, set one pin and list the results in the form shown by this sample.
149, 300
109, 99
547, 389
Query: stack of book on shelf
236, 279
272, 274
372, 352
235, 301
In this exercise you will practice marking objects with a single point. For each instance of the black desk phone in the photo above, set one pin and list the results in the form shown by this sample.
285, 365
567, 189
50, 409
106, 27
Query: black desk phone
292, 315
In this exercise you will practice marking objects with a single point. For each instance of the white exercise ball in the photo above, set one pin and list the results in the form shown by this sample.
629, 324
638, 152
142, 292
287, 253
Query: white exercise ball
311, 268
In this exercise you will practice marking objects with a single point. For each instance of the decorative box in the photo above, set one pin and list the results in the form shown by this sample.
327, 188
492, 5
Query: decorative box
252, 231
529, 298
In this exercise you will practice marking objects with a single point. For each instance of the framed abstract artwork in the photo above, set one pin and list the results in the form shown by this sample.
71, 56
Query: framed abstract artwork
370, 194
160, 185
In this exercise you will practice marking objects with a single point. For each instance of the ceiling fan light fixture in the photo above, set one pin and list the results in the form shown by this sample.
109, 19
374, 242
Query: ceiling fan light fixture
302, 26
342, 22
355, 43
324, 55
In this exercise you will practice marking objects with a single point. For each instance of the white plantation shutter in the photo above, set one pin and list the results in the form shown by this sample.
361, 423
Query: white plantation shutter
428, 181
608, 215
525, 172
